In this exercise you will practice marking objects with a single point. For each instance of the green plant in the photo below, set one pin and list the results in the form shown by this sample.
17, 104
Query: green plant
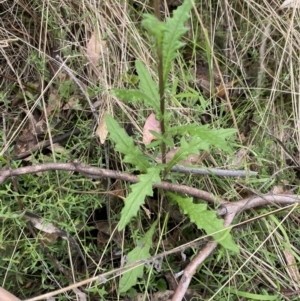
194, 137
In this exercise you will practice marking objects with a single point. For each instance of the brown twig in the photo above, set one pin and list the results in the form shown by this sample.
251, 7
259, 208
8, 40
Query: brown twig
96, 173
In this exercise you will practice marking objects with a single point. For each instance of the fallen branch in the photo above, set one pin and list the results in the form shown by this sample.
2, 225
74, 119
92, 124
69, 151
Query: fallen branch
96, 173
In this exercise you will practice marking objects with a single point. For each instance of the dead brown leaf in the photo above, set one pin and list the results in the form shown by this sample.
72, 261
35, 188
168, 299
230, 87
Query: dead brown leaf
291, 266
95, 48
102, 129
220, 89
29, 135
151, 124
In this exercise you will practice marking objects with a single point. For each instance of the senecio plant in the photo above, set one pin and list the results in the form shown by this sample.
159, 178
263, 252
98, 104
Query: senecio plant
194, 137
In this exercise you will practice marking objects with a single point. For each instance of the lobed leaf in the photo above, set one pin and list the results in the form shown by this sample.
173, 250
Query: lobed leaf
154, 27
206, 220
138, 193
141, 251
125, 145
148, 86
213, 137
175, 29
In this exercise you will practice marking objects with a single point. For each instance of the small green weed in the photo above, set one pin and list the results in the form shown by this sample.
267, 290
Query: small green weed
194, 137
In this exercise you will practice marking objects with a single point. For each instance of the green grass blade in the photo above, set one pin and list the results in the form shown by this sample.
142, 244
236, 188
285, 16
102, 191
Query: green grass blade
250, 296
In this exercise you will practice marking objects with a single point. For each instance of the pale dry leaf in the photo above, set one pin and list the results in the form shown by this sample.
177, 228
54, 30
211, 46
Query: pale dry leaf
49, 232
97, 103
291, 265
102, 129
220, 89
95, 47
40, 224
290, 4
151, 124
278, 189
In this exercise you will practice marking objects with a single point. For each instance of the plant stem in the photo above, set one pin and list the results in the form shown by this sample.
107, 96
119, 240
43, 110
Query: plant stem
161, 85
162, 102
156, 5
